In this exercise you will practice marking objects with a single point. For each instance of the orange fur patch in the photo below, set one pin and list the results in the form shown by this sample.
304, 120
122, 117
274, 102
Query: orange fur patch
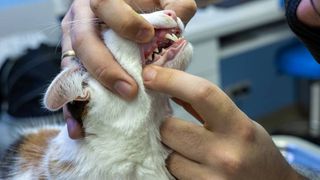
58, 167
34, 147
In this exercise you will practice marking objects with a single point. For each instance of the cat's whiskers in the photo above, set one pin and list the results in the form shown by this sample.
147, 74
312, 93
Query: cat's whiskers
54, 25
74, 23
83, 21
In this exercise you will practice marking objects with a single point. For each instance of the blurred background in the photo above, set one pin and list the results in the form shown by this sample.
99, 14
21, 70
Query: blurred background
240, 45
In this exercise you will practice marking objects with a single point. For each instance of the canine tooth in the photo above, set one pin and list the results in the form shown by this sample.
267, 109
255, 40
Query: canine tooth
175, 37
156, 50
150, 57
169, 36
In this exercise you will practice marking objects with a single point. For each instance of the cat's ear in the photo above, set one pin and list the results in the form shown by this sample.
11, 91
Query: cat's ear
66, 87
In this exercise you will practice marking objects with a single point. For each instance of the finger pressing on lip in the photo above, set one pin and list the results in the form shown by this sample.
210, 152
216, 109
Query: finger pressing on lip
94, 55
127, 23
214, 106
101, 64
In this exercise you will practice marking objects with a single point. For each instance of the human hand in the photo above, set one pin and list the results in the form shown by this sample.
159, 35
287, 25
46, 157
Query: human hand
308, 13
81, 34
229, 145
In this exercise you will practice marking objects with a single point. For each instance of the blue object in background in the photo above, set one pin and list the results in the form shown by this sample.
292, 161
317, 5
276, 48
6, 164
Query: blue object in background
299, 156
303, 155
269, 91
282, 3
297, 61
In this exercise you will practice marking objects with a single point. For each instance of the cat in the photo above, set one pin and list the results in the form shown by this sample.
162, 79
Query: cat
122, 139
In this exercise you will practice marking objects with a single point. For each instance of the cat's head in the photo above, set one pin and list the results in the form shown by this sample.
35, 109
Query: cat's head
90, 100
168, 48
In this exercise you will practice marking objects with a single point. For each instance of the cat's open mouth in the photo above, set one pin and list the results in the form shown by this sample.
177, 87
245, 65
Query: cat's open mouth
164, 47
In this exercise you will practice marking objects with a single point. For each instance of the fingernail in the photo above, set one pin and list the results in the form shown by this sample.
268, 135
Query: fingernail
149, 74
124, 89
144, 35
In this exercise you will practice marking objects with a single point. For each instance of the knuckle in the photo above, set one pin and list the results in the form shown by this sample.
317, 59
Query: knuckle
95, 4
102, 73
248, 132
231, 161
125, 24
232, 164
128, 27
210, 154
205, 91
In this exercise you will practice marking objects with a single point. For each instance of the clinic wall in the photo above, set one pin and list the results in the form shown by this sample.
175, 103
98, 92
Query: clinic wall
254, 83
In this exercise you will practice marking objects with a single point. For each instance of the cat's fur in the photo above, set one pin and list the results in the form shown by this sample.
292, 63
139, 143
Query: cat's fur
122, 139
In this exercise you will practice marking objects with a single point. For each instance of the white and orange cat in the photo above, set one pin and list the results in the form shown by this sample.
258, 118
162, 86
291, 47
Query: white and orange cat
122, 139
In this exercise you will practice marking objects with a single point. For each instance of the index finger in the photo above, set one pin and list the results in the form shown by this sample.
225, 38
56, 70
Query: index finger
91, 50
213, 105
120, 17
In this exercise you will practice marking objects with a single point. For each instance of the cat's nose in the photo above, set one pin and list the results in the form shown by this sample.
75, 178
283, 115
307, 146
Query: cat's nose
170, 13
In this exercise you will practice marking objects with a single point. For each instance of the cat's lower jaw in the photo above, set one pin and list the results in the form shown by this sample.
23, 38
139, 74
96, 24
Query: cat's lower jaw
138, 155
78, 160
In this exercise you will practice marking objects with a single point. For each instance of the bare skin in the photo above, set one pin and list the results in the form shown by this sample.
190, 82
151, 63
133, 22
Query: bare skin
85, 40
228, 146
307, 14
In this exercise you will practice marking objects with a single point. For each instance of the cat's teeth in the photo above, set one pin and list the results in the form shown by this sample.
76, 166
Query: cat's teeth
169, 36
156, 50
150, 57
175, 37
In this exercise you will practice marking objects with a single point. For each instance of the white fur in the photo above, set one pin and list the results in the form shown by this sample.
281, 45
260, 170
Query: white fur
122, 138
